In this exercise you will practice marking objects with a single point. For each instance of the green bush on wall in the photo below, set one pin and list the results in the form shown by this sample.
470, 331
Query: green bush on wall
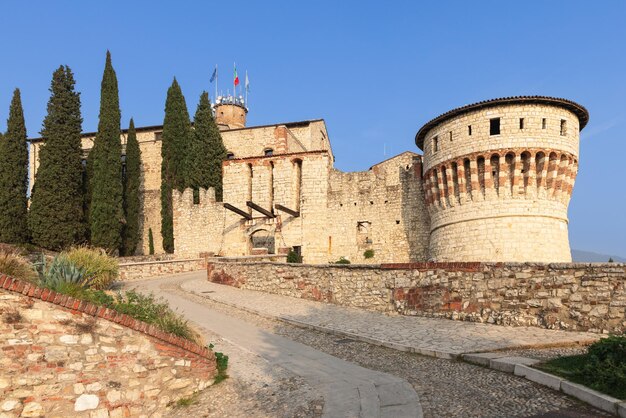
342, 260
368, 254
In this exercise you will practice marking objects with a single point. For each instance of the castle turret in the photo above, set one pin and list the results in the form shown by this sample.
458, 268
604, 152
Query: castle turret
498, 179
230, 112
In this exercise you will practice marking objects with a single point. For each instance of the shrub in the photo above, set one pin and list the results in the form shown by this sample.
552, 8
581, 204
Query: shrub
222, 364
100, 268
342, 260
61, 272
150, 241
368, 254
602, 368
293, 257
12, 264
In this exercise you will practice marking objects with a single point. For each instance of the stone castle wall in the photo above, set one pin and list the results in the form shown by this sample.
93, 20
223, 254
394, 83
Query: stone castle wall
64, 357
508, 191
382, 210
584, 297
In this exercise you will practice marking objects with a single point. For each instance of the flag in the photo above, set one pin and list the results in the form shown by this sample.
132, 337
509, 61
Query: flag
214, 76
247, 83
236, 78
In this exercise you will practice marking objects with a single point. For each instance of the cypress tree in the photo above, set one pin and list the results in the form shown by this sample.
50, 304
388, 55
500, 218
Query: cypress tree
106, 215
14, 176
56, 217
131, 192
174, 152
207, 151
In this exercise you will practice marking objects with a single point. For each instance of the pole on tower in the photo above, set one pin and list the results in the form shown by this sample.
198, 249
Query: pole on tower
216, 80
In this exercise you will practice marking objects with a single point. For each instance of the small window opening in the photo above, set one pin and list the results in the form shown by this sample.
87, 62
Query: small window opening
158, 136
563, 127
494, 126
469, 130
543, 123
450, 136
435, 144
521, 123
397, 222
196, 196
267, 152
230, 156
371, 202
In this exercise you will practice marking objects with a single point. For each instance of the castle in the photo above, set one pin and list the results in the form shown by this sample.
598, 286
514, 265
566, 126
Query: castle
493, 184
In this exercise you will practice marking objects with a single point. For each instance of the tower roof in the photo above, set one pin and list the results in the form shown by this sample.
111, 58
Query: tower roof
578, 110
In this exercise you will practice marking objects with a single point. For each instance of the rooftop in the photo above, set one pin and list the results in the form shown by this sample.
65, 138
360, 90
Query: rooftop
578, 110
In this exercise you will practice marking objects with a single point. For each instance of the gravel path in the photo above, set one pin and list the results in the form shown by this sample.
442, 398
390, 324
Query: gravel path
446, 388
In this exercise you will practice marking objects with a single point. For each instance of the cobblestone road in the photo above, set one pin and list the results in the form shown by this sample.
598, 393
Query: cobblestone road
446, 388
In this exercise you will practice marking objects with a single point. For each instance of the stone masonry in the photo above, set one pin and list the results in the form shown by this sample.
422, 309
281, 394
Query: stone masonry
582, 297
493, 184
64, 357
498, 179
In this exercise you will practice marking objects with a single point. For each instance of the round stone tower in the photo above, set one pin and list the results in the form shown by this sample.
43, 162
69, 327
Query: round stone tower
498, 177
230, 112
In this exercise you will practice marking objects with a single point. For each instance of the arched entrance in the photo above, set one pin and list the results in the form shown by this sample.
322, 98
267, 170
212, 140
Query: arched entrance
263, 239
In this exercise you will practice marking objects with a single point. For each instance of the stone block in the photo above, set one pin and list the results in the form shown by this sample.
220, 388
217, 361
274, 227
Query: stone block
482, 359
537, 376
592, 397
621, 410
507, 364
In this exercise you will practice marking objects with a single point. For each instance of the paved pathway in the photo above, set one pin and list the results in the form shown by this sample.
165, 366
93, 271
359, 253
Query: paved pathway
349, 390
428, 336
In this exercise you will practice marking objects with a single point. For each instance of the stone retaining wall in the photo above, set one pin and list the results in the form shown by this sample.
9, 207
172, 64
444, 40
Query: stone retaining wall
574, 296
64, 357
145, 269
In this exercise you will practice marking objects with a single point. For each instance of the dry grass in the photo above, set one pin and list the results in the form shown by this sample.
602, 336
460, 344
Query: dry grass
14, 265
96, 264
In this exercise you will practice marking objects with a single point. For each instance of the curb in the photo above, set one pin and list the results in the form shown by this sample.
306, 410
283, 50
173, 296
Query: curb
520, 367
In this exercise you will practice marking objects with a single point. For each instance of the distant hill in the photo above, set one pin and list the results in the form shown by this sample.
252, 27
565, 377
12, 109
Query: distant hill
591, 257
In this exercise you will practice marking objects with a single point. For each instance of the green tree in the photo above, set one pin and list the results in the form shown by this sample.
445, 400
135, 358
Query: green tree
14, 176
56, 218
130, 231
174, 152
106, 214
207, 150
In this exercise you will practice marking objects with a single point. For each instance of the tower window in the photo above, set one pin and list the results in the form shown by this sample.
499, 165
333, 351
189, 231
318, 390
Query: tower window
494, 126
158, 136
268, 151
521, 123
469, 130
563, 127
450, 136
435, 144
543, 123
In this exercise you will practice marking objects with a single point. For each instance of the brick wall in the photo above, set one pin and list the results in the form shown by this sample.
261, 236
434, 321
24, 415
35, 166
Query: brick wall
65, 357
586, 297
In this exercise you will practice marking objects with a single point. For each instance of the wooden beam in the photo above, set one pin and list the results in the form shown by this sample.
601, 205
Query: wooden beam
238, 211
292, 212
260, 209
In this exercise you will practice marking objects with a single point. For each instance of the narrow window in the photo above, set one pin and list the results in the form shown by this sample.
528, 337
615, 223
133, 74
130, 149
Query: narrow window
158, 136
521, 123
494, 126
563, 127
469, 130
268, 151
435, 144
450, 136
543, 123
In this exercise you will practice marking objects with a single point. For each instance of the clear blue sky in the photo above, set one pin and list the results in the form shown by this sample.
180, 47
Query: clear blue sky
375, 71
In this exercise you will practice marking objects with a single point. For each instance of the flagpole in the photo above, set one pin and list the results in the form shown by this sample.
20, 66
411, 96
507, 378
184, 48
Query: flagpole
234, 85
246, 87
216, 78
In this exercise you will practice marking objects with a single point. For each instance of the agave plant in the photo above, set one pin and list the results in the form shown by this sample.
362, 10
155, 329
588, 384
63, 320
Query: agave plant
63, 271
